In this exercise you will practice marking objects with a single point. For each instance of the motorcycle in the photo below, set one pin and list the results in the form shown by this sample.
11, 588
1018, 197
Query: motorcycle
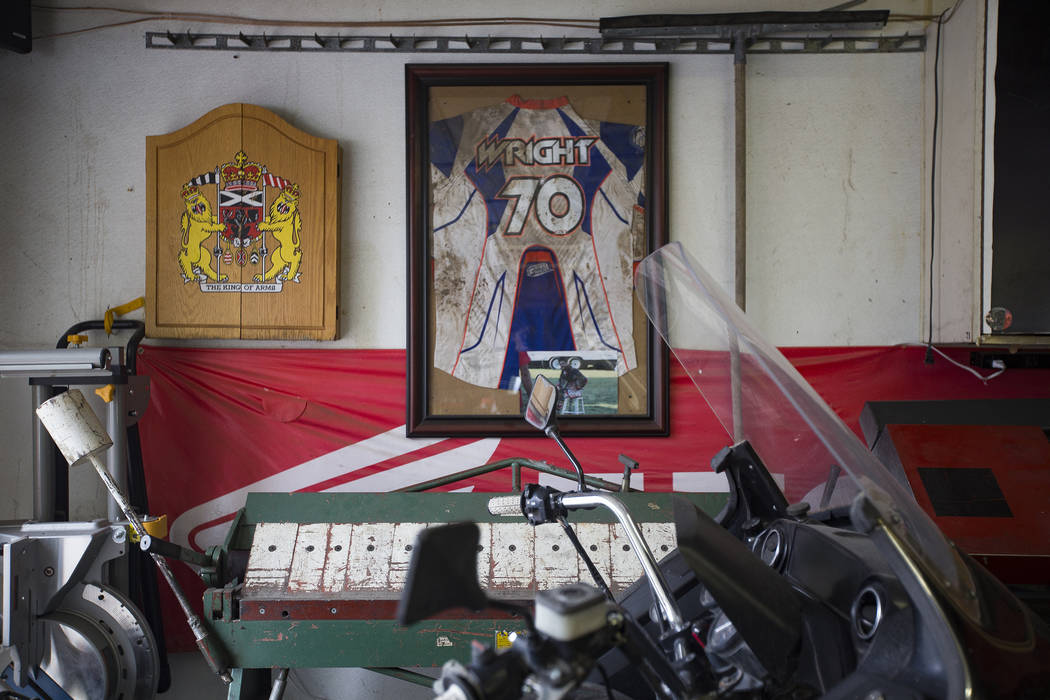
861, 597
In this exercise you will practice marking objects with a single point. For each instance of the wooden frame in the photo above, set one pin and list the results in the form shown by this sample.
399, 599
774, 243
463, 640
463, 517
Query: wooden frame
508, 165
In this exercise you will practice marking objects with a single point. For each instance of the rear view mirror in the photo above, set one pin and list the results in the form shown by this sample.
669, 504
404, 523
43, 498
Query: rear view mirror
542, 403
443, 573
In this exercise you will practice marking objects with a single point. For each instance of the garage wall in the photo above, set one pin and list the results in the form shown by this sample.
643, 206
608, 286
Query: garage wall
835, 163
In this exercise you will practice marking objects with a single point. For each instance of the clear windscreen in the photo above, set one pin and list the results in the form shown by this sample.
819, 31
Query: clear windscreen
758, 396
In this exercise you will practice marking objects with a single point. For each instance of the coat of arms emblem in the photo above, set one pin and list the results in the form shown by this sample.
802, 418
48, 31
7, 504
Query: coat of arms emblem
254, 224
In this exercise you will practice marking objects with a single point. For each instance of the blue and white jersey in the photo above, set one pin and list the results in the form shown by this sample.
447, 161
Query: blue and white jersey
537, 221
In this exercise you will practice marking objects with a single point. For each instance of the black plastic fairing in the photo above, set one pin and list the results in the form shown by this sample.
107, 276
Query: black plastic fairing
760, 603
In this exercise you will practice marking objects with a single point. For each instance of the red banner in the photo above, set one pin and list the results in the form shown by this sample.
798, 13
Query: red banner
225, 422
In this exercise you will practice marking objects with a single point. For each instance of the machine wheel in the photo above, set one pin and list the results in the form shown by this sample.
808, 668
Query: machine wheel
100, 646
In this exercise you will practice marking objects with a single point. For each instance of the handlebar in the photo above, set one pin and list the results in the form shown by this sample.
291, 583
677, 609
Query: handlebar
540, 504
662, 592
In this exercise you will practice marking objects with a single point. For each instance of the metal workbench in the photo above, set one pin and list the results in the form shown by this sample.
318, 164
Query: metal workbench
312, 579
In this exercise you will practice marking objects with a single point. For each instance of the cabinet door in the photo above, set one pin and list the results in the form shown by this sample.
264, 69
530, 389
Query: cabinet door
181, 239
300, 232
242, 229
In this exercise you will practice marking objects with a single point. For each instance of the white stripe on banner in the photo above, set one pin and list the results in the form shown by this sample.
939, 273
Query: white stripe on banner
708, 482
345, 460
473, 454
463, 457
637, 480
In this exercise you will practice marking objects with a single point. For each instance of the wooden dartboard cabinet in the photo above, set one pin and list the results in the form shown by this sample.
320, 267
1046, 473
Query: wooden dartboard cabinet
242, 229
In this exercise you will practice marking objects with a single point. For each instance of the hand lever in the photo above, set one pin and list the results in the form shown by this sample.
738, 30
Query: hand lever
629, 465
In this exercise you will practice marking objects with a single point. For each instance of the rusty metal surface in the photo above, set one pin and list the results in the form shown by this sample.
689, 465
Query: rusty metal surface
282, 615
369, 561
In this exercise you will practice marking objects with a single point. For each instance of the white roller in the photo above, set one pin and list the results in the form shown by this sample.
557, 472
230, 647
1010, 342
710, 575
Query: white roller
74, 426
505, 505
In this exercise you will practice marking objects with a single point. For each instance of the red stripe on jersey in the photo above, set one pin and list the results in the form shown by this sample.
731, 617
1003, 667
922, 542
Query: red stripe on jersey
519, 101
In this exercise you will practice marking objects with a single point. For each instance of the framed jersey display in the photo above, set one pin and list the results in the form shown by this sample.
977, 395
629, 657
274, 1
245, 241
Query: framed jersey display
533, 191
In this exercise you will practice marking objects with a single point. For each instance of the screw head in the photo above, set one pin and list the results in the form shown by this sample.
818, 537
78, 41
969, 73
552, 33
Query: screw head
49, 571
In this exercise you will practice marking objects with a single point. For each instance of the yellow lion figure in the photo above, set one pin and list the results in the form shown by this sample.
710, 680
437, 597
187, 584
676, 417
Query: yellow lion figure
198, 225
284, 223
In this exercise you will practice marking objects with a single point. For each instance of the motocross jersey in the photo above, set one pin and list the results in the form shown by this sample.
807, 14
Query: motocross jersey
537, 220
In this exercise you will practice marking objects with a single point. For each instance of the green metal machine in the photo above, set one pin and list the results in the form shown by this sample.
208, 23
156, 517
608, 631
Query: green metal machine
313, 579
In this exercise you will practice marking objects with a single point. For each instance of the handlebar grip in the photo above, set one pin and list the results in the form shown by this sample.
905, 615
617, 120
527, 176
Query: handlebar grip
505, 505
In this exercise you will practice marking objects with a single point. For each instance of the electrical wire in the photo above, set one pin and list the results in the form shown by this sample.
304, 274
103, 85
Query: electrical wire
930, 349
933, 182
941, 20
213, 18
983, 377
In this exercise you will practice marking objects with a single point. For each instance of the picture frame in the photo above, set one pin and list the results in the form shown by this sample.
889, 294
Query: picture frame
533, 190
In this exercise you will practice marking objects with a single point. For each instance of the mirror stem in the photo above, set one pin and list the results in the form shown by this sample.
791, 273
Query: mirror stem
552, 431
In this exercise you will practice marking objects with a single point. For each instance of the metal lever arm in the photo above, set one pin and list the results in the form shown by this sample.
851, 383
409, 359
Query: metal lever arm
155, 545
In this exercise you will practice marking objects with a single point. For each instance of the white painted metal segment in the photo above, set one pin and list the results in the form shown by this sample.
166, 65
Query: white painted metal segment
484, 554
595, 540
556, 561
372, 559
660, 537
271, 556
511, 564
333, 579
626, 569
308, 558
369, 565
401, 553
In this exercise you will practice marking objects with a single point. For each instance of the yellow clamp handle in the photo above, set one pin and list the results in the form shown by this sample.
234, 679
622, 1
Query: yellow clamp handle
156, 526
76, 339
120, 311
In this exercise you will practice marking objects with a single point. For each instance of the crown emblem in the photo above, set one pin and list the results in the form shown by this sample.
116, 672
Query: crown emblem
291, 191
190, 191
241, 174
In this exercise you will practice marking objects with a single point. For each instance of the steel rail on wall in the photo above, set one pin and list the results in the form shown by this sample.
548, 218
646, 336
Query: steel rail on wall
584, 46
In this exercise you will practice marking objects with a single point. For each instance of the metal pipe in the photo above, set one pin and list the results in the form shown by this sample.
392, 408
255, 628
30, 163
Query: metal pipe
740, 189
212, 653
279, 683
661, 591
117, 455
740, 164
518, 463
46, 362
43, 462
553, 432
736, 393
